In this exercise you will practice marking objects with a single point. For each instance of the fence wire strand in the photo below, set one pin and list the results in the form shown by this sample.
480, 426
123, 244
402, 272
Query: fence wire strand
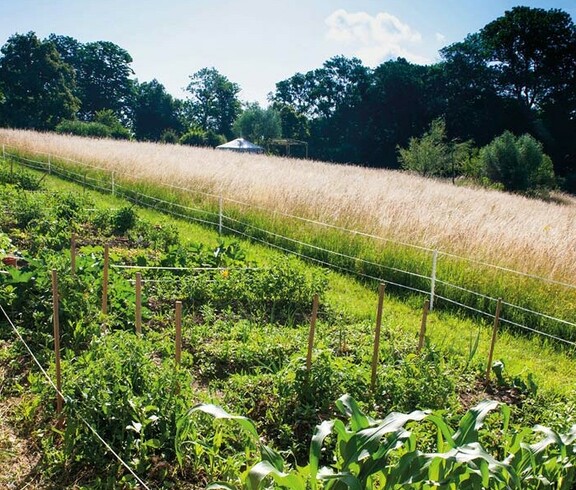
51, 382
125, 192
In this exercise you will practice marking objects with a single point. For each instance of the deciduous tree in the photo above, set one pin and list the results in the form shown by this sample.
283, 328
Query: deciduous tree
213, 103
37, 85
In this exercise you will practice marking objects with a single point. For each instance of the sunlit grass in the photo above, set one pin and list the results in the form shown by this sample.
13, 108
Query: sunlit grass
451, 333
405, 211
511, 230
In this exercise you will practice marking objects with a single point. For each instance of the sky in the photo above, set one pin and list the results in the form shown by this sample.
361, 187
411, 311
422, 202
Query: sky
257, 43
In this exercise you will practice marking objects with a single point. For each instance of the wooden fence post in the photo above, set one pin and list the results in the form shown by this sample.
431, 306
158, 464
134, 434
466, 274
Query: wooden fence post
56, 321
178, 331
433, 279
113, 185
4, 152
376, 353
73, 254
494, 334
423, 325
139, 303
49, 164
312, 331
105, 279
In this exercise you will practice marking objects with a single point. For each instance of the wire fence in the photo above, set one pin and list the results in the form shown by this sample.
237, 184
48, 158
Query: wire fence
217, 211
59, 393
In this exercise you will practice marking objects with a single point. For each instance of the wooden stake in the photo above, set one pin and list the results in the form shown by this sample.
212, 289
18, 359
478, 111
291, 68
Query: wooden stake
494, 334
73, 254
312, 331
139, 303
105, 279
423, 325
56, 321
178, 331
381, 290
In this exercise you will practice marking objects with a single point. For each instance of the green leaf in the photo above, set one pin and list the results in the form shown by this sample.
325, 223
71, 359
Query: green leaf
445, 433
349, 407
264, 469
472, 422
336, 479
219, 413
220, 485
268, 454
320, 433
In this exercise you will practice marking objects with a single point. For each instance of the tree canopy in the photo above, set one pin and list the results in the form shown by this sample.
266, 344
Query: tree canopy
37, 86
213, 104
516, 74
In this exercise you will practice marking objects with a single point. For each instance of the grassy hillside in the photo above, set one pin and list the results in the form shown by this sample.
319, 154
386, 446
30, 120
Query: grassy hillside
529, 235
245, 337
371, 223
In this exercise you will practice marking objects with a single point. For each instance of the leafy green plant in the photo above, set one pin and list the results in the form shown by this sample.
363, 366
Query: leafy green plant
371, 453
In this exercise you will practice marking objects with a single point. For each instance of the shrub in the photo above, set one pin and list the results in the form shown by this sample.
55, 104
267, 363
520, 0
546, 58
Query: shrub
519, 164
169, 136
21, 180
194, 137
86, 129
214, 139
123, 220
105, 125
428, 155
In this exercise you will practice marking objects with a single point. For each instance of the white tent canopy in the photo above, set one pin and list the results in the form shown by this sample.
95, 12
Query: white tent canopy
241, 145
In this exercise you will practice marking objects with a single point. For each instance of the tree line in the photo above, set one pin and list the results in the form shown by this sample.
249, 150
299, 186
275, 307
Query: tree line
514, 77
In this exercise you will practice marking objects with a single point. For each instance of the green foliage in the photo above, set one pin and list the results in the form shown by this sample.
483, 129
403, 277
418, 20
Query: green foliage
199, 137
130, 398
102, 72
155, 113
371, 453
214, 139
257, 124
416, 382
433, 155
20, 179
194, 137
428, 155
518, 163
110, 120
123, 220
105, 125
86, 129
169, 136
213, 103
36, 84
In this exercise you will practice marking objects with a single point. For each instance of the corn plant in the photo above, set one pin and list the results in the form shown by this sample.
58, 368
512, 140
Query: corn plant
383, 454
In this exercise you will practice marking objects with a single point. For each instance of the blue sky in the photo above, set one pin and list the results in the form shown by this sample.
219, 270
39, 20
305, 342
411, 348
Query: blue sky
257, 43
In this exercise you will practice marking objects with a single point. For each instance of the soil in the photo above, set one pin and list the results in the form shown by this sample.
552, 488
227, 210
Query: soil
19, 459
482, 390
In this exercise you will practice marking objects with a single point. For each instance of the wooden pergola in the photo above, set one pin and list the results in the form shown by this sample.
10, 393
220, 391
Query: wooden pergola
288, 143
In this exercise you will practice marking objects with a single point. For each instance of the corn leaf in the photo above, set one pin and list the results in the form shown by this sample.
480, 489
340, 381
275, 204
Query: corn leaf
472, 422
264, 469
219, 413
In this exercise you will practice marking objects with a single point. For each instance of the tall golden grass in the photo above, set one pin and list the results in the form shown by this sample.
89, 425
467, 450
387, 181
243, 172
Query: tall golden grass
509, 230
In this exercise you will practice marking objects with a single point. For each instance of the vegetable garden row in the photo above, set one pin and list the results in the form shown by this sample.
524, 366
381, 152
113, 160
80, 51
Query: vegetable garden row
245, 336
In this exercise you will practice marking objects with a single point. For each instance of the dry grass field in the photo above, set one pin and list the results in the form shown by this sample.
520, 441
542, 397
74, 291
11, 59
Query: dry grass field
528, 235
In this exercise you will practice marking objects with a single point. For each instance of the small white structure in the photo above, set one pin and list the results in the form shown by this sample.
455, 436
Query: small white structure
242, 146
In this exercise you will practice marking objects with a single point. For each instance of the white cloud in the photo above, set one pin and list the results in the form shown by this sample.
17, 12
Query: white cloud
440, 37
374, 39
